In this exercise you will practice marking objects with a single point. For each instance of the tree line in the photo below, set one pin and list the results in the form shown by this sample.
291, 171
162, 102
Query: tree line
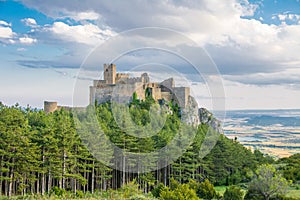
42, 152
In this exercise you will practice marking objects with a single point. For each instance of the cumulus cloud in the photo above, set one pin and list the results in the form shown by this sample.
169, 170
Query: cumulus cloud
4, 23
6, 33
288, 16
5, 30
29, 22
88, 34
27, 40
238, 45
7, 36
81, 16
248, 9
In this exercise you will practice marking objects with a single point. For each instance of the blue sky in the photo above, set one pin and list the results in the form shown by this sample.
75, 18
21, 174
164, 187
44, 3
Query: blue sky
255, 45
269, 10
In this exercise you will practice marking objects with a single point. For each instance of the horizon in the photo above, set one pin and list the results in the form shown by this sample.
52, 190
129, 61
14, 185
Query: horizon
226, 110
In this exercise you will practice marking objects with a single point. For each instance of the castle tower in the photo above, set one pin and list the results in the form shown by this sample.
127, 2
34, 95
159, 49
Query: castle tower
50, 106
110, 73
146, 78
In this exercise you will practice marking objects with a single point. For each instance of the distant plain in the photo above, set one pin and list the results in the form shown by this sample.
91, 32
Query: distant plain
274, 132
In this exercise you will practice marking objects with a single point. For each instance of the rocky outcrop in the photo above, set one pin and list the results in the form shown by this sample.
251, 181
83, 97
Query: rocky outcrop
190, 113
194, 116
206, 117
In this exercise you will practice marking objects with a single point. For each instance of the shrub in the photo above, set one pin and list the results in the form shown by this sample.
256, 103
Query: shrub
79, 194
58, 191
233, 193
156, 191
206, 190
182, 192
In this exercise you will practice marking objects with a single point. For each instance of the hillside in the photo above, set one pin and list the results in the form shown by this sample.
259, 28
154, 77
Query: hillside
41, 152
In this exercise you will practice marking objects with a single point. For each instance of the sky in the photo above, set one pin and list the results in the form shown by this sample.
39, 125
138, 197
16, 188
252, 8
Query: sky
255, 45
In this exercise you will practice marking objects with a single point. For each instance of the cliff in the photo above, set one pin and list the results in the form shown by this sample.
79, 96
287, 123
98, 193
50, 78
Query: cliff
194, 116
206, 117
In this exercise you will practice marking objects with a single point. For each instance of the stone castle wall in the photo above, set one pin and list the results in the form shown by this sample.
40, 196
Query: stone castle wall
120, 87
181, 94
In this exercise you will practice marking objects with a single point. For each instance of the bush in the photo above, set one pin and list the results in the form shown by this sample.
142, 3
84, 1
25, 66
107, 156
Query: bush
79, 194
182, 192
253, 195
233, 193
267, 183
206, 190
138, 197
156, 191
58, 191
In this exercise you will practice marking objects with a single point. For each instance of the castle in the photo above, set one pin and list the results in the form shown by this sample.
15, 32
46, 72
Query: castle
120, 87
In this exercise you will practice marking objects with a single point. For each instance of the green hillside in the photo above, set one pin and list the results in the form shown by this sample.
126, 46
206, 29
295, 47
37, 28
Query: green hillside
42, 154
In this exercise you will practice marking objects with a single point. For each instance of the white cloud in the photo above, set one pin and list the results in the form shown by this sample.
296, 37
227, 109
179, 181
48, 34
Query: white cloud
260, 62
288, 17
248, 9
4, 23
282, 17
27, 40
88, 15
294, 17
238, 45
6, 32
29, 22
89, 34
7, 35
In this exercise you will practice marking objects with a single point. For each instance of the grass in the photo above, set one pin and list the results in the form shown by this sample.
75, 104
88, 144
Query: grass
294, 192
220, 189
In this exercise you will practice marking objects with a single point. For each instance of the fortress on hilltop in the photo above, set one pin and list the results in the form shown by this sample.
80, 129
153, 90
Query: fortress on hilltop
120, 87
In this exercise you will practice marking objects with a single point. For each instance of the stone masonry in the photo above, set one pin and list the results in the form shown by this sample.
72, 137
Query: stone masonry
120, 87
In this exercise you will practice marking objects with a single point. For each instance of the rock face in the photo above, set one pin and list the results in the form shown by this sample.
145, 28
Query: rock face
206, 117
192, 115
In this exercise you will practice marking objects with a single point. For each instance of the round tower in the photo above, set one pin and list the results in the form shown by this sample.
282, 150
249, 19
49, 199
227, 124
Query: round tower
50, 106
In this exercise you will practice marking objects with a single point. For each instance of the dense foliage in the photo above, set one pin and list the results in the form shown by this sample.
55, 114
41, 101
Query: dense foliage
43, 153
291, 167
267, 183
233, 193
